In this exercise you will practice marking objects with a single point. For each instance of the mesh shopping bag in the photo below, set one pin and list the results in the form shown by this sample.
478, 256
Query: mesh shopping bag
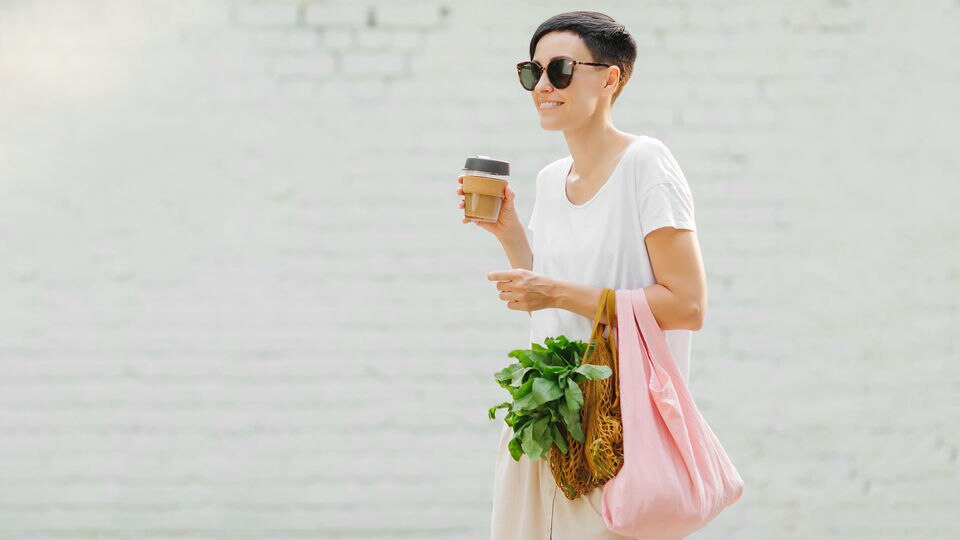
593, 462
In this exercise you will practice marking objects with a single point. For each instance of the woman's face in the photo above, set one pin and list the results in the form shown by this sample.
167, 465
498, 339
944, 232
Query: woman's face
580, 99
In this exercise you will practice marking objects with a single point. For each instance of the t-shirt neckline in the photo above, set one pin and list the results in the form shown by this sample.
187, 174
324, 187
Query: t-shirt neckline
569, 165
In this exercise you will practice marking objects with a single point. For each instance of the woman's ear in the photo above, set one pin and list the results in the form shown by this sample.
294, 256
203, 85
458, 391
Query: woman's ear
613, 77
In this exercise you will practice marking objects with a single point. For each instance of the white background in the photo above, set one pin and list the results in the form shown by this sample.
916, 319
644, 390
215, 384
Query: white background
237, 299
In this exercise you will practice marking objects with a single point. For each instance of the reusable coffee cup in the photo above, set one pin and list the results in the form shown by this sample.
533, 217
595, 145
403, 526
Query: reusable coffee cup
484, 186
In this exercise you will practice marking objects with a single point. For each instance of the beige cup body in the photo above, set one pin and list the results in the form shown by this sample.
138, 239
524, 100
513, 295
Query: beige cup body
482, 197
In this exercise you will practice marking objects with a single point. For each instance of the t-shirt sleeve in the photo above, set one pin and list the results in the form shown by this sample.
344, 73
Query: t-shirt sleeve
664, 198
531, 224
667, 204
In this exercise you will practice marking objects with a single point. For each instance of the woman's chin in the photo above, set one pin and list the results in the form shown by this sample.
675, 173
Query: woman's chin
550, 124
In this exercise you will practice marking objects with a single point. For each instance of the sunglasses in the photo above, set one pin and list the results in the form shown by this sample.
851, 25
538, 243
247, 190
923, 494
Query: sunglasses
559, 72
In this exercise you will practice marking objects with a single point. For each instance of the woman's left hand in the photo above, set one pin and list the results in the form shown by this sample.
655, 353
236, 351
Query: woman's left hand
525, 290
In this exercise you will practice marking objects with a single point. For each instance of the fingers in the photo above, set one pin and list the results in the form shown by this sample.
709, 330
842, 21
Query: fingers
460, 193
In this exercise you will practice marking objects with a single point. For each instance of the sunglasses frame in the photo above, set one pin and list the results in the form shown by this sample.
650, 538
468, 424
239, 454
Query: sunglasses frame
550, 77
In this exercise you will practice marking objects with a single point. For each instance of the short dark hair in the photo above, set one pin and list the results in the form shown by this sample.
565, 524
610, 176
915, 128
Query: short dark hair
607, 40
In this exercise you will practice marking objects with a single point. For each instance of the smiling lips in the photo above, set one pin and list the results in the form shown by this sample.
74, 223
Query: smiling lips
549, 105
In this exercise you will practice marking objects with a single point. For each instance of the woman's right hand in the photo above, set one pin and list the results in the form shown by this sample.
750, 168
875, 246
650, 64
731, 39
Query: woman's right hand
508, 212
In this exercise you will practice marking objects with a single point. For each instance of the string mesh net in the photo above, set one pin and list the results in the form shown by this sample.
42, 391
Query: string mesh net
592, 463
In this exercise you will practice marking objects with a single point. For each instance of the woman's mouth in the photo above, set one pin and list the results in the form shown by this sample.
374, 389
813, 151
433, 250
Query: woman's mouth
549, 105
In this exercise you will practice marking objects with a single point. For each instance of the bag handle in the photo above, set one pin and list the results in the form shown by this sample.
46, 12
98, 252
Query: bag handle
608, 303
655, 340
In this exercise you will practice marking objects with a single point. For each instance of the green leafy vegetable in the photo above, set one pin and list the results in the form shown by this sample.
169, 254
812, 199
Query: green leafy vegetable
545, 386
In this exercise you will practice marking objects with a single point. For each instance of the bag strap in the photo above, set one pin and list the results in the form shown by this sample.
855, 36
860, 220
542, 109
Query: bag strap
612, 317
654, 338
608, 304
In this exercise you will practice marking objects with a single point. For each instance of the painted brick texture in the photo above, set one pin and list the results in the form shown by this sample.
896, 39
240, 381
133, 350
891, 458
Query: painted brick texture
238, 300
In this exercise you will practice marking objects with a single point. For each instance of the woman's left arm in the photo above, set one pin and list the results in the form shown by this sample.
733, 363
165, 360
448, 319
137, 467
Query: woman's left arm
678, 299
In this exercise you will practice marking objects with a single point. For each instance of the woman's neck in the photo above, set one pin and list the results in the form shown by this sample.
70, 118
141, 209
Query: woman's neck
593, 149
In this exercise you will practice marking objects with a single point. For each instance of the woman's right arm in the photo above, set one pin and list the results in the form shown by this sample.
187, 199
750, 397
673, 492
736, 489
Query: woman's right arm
517, 247
508, 229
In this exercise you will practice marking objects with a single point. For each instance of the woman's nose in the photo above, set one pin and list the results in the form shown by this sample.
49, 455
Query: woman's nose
543, 84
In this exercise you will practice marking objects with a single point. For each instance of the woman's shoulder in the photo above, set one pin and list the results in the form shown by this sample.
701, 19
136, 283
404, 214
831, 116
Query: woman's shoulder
554, 166
648, 147
554, 169
654, 163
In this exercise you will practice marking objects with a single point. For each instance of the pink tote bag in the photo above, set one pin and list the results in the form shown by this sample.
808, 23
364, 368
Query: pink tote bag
675, 477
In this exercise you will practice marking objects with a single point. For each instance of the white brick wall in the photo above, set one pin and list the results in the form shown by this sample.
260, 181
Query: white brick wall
238, 300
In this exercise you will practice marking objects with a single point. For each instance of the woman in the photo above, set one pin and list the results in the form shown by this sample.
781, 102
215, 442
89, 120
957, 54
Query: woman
617, 212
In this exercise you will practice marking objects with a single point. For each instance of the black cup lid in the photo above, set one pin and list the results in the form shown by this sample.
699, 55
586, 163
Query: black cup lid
487, 164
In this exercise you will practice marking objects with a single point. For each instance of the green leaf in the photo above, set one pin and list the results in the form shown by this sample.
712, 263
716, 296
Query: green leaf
523, 390
504, 378
504, 374
525, 403
594, 372
547, 399
542, 436
529, 444
574, 396
539, 360
492, 413
540, 427
522, 356
558, 438
516, 450
557, 359
554, 372
521, 421
545, 390
572, 422
512, 375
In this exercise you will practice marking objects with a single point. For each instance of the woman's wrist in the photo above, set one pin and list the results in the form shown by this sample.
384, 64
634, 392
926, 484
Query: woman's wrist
578, 298
511, 232
517, 247
558, 294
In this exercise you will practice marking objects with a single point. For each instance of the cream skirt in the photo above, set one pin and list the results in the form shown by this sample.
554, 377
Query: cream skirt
527, 505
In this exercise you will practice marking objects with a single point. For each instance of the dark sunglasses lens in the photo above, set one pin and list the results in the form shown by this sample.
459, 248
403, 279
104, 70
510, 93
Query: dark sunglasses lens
560, 72
529, 75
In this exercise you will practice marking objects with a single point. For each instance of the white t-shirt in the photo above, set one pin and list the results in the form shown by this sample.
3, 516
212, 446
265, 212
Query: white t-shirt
601, 242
